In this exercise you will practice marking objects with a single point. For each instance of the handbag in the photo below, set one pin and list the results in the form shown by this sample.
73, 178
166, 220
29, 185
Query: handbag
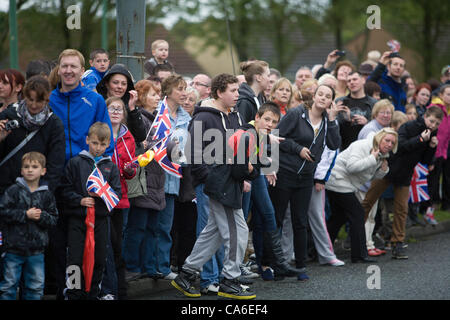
138, 185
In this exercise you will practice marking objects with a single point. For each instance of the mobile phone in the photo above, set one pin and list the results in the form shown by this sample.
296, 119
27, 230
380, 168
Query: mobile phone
340, 53
313, 158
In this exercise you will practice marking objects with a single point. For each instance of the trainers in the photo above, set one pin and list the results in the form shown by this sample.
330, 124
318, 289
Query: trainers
246, 273
212, 289
232, 289
170, 276
267, 275
399, 251
107, 297
374, 252
429, 217
252, 265
184, 282
336, 263
302, 277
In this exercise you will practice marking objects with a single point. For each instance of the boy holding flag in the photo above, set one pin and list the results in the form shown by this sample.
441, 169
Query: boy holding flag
91, 181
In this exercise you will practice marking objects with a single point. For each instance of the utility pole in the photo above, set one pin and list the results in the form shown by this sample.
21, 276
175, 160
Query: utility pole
105, 26
131, 36
13, 41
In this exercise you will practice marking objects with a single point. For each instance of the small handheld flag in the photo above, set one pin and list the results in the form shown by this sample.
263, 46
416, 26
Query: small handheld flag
97, 184
418, 190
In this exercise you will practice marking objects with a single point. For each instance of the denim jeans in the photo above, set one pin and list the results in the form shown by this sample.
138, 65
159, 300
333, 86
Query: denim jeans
32, 268
211, 269
160, 255
137, 242
263, 214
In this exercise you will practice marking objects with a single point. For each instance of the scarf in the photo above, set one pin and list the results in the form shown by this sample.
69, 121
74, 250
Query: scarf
35, 121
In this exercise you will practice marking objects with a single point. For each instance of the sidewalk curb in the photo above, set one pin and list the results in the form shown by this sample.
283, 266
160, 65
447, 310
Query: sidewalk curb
149, 286
428, 230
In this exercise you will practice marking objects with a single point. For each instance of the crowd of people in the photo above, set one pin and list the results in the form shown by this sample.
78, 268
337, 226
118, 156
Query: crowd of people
294, 162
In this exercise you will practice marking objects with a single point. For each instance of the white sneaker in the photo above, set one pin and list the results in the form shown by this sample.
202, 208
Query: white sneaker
336, 263
170, 276
213, 288
246, 273
107, 297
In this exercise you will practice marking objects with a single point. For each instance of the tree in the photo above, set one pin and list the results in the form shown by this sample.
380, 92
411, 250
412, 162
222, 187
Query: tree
421, 25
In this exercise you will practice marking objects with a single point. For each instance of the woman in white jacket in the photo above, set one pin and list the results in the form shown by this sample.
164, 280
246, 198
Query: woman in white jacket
363, 161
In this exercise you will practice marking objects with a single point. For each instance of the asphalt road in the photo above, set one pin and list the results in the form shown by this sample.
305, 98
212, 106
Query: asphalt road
424, 276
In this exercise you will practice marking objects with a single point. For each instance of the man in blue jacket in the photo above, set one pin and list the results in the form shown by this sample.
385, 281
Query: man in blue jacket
78, 107
388, 75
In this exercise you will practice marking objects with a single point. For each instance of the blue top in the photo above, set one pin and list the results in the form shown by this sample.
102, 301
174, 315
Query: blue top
179, 131
79, 109
91, 78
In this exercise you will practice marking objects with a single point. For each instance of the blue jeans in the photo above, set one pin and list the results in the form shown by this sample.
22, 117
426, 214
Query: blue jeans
263, 214
138, 240
161, 245
211, 269
32, 268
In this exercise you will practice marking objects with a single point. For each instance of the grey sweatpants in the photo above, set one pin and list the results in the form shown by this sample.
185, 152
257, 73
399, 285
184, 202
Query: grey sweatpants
318, 224
225, 226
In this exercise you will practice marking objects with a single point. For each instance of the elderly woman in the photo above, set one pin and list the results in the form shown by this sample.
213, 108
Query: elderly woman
382, 112
363, 161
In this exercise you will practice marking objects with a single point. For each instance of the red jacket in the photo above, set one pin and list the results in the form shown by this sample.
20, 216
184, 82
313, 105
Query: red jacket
124, 151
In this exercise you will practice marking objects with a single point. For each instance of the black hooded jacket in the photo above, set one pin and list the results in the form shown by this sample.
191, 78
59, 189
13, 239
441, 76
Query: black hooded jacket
22, 235
134, 121
74, 181
411, 150
247, 103
203, 119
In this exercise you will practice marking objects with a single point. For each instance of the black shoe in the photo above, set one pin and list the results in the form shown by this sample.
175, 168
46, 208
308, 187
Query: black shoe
232, 289
184, 282
399, 251
363, 260
132, 276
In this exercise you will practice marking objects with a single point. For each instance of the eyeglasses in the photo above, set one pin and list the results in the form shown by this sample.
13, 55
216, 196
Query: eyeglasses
114, 110
385, 113
198, 84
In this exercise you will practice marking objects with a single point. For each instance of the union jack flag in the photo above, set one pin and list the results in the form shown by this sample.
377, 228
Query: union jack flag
163, 129
162, 123
161, 156
97, 184
418, 190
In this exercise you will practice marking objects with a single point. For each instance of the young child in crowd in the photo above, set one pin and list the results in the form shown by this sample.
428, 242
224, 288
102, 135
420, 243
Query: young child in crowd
28, 210
411, 112
78, 199
99, 61
160, 52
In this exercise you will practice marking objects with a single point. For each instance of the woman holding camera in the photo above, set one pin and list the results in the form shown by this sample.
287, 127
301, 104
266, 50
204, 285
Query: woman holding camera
32, 125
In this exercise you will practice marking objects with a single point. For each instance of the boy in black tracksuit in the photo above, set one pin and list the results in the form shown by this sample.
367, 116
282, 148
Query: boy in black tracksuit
78, 199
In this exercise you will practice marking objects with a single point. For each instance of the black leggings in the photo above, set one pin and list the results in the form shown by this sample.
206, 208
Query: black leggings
298, 198
345, 206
